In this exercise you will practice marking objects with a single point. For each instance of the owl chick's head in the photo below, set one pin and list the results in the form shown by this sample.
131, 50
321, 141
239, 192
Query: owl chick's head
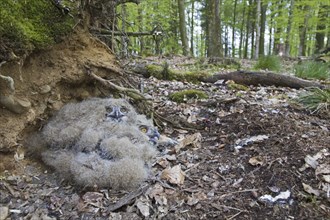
146, 126
116, 113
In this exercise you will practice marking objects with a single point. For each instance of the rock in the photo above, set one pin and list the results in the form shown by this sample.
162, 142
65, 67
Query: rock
4, 212
45, 89
15, 104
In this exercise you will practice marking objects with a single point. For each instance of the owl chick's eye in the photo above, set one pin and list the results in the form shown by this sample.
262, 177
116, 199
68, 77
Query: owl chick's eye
123, 109
144, 129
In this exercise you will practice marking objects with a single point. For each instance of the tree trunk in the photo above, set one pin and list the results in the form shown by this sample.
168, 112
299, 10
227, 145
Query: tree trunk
233, 30
248, 27
124, 38
278, 30
242, 32
215, 44
183, 29
262, 78
321, 27
141, 25
303, 32
288, 29
262, 28
192, 24
226, 41
271, 26
256, 52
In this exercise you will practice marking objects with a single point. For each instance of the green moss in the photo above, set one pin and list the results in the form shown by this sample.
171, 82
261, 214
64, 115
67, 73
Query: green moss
27, 25
184, 95
234, 86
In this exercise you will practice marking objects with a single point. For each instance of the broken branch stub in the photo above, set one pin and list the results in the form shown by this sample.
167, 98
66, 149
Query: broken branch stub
7, 96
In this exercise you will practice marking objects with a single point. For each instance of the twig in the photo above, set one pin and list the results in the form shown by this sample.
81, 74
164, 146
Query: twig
128, 198
240, 191
10, 189
165, 185
226, 207
234, 216
135, 94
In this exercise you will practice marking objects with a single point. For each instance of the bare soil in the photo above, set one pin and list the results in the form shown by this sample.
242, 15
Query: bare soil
218, 180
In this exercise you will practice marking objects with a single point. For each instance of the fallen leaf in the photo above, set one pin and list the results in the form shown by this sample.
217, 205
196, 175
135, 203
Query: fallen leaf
173, 175
194, 140
257, 160
310, 190
143, 207
322, 169
326, 178
311, 161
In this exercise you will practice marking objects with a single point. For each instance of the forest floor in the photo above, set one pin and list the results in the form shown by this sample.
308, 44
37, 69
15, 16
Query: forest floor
249, 154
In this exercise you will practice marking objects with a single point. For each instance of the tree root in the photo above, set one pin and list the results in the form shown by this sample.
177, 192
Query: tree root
133, 93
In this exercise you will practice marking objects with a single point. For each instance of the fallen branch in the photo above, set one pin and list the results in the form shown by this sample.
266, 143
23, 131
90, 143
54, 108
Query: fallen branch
263, 78
128, 199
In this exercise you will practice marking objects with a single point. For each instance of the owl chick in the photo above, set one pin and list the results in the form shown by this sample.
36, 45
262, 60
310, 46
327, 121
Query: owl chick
65, 128
101, 142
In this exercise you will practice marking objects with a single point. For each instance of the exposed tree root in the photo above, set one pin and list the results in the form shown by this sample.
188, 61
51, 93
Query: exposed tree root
133, 93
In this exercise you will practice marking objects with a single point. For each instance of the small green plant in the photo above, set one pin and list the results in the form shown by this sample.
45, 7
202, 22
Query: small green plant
316, 100
312, 69
184, 95
272, 63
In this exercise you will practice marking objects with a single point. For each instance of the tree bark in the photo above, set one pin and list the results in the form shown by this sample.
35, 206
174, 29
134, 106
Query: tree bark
288, 29
262, 28
242, 32
303, 32
247, 31
214, 23
256, 52
141, 25
183, 29
321, 27
233, 30
278, 29
192, 28
264, 79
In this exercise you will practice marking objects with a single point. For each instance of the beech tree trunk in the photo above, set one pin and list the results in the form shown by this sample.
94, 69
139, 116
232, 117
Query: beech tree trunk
214, 28
256, 52
321, 27
262, 28
183, 29
288, 29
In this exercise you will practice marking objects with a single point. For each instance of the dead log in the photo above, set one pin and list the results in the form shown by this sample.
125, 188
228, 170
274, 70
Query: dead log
263, 78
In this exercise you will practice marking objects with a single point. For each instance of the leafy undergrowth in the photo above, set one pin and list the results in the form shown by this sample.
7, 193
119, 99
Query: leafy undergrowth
313, 70
316, 100
272, 63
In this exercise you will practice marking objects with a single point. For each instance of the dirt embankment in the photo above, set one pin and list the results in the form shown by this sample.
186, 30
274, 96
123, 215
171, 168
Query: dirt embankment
50, 78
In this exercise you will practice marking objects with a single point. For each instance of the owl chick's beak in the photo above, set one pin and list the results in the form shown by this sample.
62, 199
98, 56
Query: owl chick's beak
116, 114
153, 136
